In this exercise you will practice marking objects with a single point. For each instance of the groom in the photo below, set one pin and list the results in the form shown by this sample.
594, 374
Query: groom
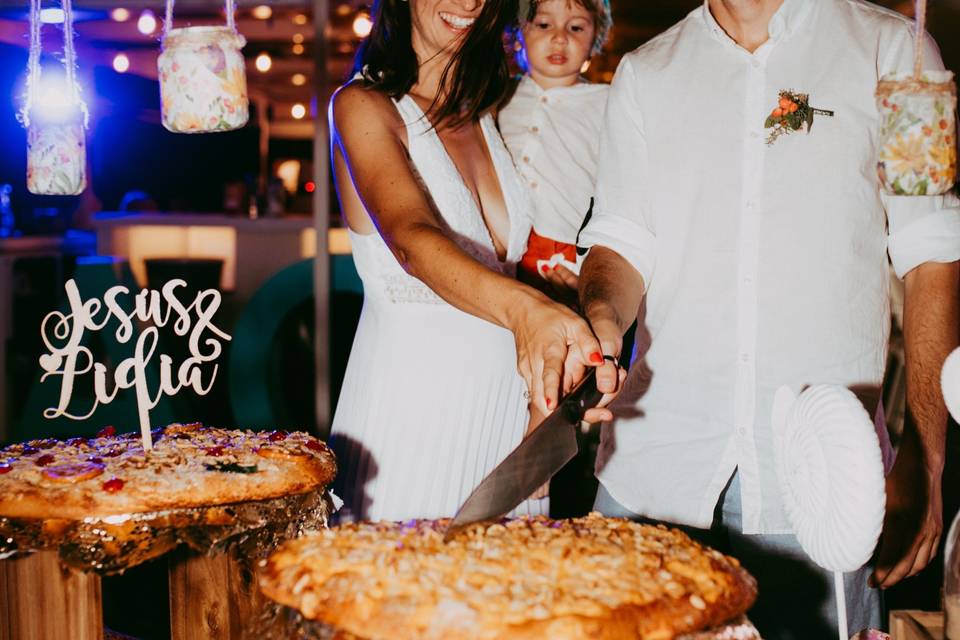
756, 261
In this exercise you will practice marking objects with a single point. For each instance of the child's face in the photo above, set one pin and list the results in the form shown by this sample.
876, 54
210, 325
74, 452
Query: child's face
557, 42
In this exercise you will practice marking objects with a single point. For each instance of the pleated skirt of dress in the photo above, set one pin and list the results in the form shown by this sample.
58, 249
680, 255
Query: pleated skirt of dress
431, 402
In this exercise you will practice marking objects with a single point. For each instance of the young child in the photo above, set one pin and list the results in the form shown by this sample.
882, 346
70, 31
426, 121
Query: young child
551, 125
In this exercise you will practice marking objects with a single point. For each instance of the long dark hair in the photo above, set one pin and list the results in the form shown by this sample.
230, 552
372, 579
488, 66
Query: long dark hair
474, 80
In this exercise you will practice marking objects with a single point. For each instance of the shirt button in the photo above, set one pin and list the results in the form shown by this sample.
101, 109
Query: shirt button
750, 204
526, 159
533, 184
756, 64
742, 431
744, 357
534, 129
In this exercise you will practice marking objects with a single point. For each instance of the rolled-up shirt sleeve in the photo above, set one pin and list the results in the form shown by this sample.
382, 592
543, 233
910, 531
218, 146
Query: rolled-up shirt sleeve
921, 228
621, 219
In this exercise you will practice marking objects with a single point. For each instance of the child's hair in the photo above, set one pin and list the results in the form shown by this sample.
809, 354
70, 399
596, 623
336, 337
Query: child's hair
598, 9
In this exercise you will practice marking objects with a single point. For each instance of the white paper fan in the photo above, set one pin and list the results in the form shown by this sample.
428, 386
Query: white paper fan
831, 475
950, 383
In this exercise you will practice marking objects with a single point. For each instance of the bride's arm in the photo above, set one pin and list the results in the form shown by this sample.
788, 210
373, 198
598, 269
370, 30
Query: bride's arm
367, 129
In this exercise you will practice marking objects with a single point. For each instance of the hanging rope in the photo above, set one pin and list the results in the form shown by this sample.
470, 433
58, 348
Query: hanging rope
70, 54
921, 18
231, 9
33, 63
69, 61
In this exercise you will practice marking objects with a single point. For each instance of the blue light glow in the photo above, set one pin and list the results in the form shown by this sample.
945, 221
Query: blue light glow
55, 102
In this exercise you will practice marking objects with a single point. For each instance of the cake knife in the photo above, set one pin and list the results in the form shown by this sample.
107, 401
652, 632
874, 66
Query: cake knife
534, 461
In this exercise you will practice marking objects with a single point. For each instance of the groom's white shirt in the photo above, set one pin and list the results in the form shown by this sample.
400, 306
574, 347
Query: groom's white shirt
764, 265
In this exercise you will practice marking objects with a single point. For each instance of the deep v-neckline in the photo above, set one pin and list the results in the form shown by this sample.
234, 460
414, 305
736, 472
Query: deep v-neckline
475, 199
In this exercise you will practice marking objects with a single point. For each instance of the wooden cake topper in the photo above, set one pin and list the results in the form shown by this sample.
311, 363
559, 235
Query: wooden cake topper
63, 335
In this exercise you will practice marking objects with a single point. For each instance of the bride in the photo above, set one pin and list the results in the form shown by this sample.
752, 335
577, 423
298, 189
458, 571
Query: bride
432, 399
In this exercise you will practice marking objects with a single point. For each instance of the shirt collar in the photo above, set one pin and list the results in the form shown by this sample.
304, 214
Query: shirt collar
788, 18
529, 87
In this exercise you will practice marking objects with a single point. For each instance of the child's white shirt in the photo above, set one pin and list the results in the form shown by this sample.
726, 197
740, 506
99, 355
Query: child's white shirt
554, 138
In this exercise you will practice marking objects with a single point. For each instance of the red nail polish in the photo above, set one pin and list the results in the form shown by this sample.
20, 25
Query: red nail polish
544, 269
549, 403
597, 357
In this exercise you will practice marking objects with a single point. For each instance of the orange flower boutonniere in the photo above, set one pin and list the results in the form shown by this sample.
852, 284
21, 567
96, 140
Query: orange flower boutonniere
792, 113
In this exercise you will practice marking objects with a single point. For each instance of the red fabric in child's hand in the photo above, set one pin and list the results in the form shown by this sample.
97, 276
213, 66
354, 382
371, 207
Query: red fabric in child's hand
541, 248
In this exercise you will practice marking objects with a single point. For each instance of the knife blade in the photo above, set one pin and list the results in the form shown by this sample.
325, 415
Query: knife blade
532, 463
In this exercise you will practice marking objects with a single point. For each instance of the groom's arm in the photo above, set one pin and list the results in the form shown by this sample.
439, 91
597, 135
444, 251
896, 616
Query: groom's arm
619, 234
610, 294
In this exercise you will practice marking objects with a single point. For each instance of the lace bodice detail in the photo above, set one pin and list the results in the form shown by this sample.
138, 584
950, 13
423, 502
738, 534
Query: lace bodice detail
382, 275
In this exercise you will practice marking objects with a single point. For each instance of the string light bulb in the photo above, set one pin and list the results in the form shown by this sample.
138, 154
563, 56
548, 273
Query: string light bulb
147, 22
120, 14
262, 12
362, 25
298, 49
263, 62
298, 79
300, 19
298, 111
121, 63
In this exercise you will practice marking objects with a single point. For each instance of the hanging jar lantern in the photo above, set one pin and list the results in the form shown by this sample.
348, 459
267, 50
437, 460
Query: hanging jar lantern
918, 137
55, 117
203, 82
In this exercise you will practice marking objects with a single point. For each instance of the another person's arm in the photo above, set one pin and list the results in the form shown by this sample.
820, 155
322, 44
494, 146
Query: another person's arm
367, 133
914, 521
924, 245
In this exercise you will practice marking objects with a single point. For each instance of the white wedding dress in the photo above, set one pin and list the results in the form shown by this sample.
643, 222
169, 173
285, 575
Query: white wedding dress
431, 400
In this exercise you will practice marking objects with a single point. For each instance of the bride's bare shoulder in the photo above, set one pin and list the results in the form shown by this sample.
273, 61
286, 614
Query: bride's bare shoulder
358, 107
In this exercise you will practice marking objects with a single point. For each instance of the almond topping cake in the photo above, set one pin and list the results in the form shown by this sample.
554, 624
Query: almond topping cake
590, 577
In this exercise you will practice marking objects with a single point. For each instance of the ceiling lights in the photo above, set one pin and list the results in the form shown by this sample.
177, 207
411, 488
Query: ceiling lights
298, 79
298, 111
120, 14
51, 16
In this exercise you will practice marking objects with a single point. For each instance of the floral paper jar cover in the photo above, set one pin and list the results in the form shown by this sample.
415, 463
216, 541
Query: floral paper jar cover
56, 158
918, 152
203, 83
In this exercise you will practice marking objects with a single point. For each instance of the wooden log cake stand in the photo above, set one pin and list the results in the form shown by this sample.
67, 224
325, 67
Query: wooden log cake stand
213, 502
42, 600
47, 594
212, 597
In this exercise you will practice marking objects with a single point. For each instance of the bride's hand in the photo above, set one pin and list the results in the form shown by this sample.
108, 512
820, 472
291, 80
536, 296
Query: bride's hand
554, 348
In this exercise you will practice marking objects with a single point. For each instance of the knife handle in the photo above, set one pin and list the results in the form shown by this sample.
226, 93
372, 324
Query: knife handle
583, 397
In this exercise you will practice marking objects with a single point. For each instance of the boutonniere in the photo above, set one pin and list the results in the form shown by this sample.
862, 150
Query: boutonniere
792, 113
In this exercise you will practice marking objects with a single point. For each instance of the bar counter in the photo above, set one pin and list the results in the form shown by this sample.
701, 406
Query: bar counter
252, 250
